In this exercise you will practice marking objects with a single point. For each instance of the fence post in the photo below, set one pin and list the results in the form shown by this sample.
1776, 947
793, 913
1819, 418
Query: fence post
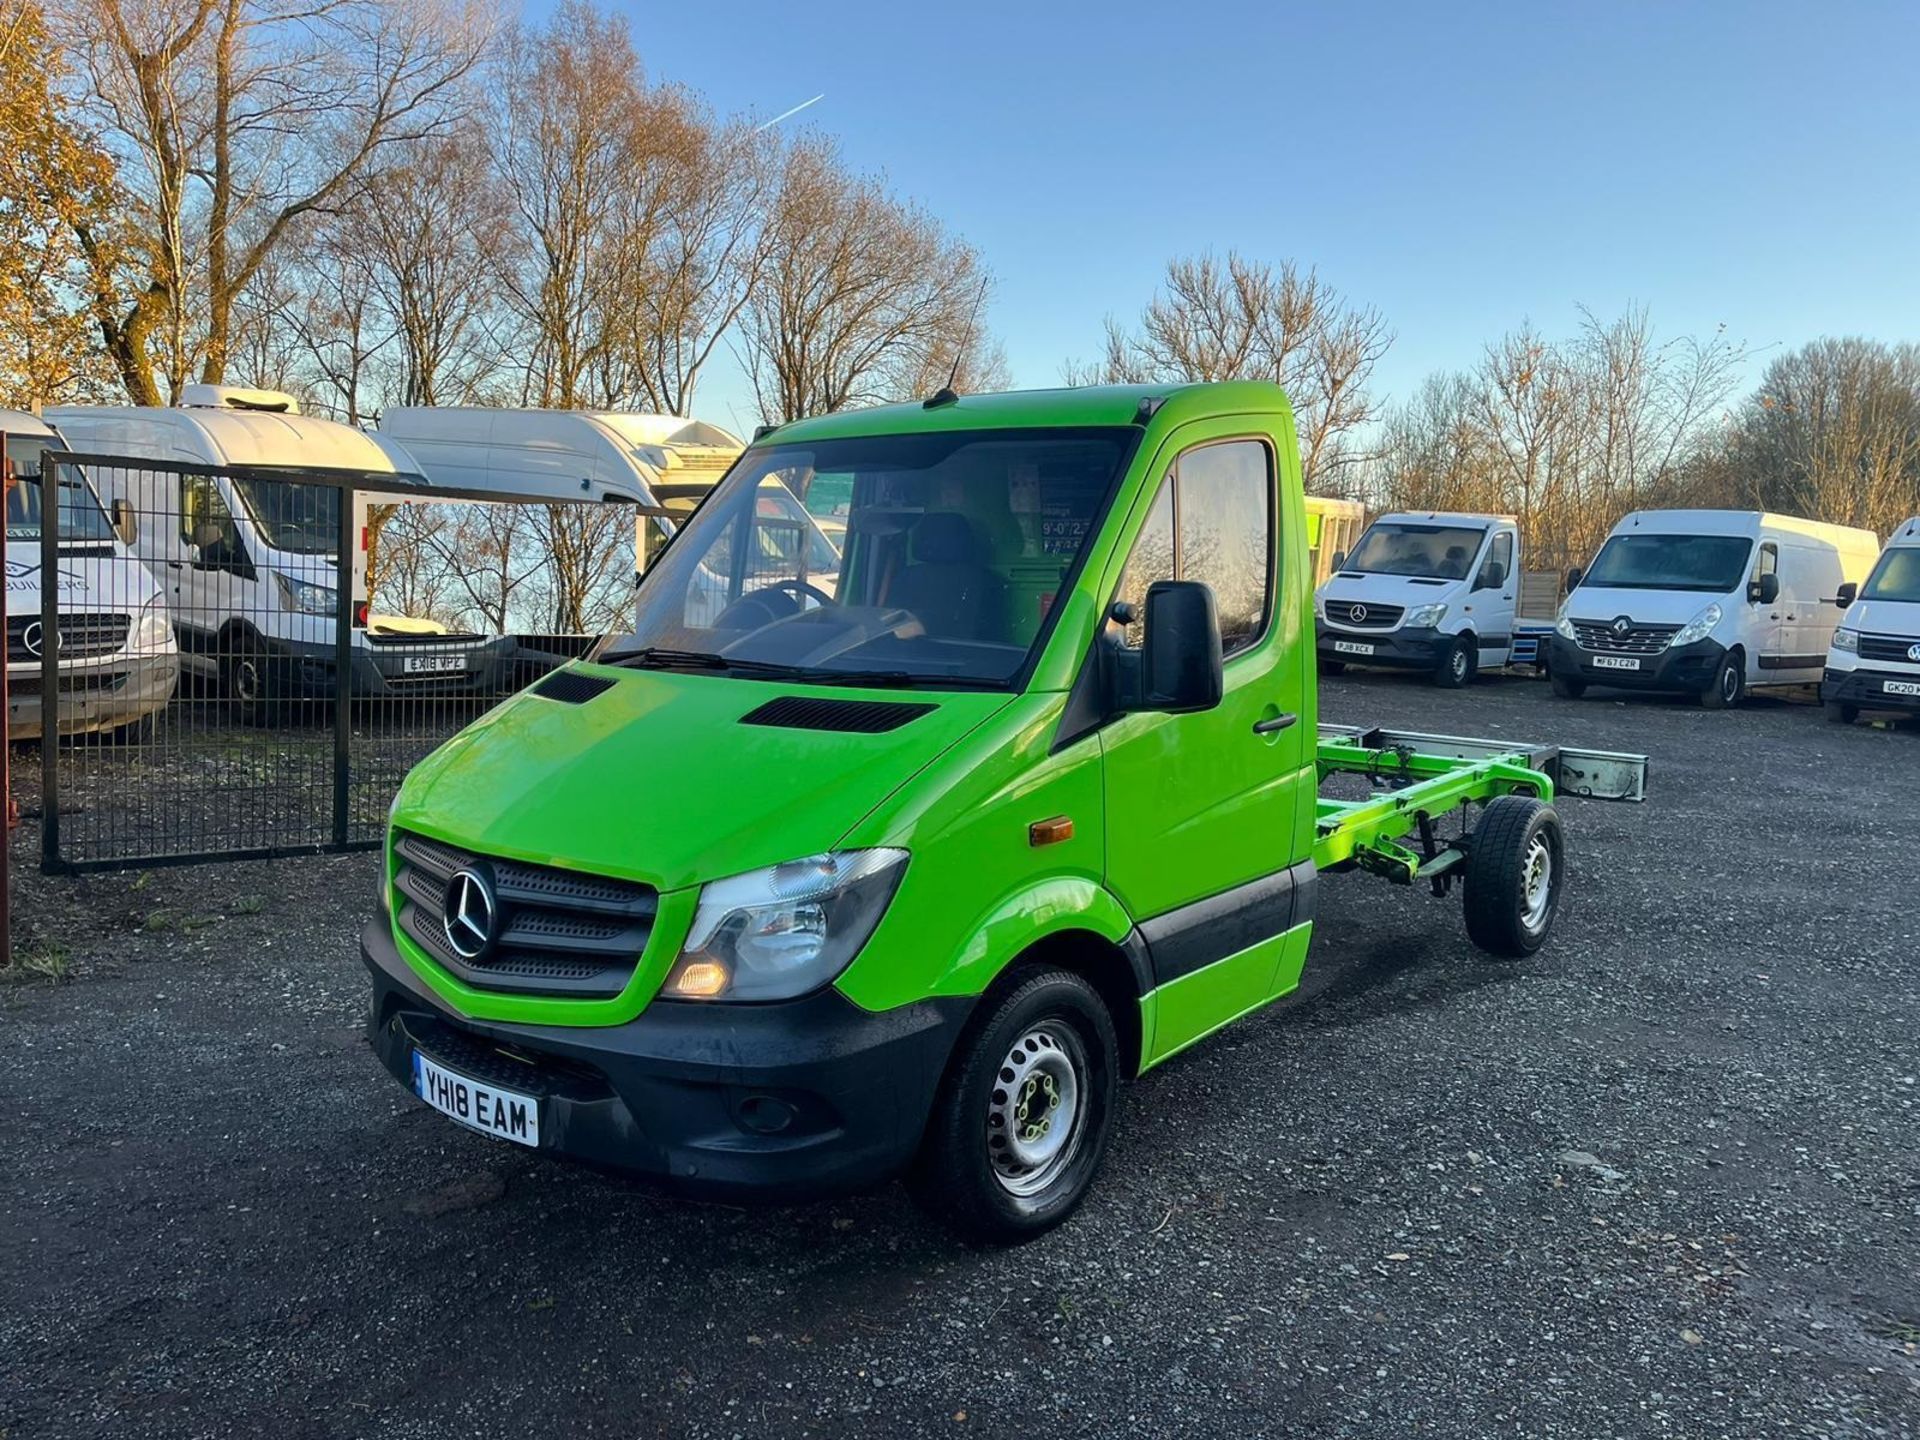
343, 662
49, 664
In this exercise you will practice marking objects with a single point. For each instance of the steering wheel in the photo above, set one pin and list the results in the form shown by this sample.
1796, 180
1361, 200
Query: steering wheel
796, 593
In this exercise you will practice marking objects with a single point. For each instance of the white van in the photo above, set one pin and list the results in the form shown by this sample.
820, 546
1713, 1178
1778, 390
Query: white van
1874, 662
249, 559
1710, 603
118, 661
661, 462
1431, 591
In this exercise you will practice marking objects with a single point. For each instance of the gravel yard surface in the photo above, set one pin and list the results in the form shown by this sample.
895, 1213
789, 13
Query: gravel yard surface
1661, 1180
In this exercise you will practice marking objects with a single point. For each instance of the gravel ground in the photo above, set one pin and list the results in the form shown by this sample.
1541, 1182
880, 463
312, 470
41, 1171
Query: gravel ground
1659, 1180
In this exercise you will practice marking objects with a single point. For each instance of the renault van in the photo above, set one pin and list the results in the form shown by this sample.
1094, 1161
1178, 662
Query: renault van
1432, 591
1708, 603
249, 558
118, 663
1874, 662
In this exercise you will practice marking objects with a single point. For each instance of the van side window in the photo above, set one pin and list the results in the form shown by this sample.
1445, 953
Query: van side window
206, 521
1497, 568
1213, 522
1769, 561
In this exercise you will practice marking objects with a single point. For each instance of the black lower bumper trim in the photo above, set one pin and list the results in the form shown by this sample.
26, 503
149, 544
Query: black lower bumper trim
1680, 670
1863, 688
776, 1102
1411, 649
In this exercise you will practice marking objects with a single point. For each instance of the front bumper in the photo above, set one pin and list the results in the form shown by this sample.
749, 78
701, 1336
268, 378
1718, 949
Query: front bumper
774, 1102
95, 695
1407, 649
1864, 688
1683, 669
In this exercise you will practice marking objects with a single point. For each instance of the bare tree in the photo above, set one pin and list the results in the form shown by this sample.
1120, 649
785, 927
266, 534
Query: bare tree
859, 292
1246, 319
232, 120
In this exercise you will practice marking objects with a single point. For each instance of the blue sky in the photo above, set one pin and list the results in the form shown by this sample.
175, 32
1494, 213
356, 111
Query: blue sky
1462, 168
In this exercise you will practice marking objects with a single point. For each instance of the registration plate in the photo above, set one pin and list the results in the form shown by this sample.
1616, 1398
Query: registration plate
1899, 687
485, 1108
432, 664
1351, 647
1615, 662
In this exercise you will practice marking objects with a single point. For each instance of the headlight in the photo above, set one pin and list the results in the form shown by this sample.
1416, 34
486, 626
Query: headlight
1424, 616
1563, 627
1319, 607
1845, 639
780, 932
1696, 628
152, 631
308, 599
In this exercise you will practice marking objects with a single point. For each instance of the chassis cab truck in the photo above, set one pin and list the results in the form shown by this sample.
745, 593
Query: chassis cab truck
1874, 661
1432, 592
1027, 804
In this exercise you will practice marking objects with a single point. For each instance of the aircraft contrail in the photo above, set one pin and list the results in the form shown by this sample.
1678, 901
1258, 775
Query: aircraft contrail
789, 114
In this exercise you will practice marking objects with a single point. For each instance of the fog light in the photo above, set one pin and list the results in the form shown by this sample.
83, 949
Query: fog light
764, 1114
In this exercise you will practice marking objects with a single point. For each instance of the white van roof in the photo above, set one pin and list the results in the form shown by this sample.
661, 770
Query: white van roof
20, 422
1449, 517
1743, 522
228, 437
1907, 534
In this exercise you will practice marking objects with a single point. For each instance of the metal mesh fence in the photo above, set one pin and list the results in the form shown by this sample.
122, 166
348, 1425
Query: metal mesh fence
239, 662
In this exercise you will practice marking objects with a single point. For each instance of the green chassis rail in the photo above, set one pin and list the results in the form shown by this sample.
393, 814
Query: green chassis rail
1419, 779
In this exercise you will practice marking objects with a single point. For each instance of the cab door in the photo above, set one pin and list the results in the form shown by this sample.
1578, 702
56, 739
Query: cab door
1490, 601
1772, 621
1204, 819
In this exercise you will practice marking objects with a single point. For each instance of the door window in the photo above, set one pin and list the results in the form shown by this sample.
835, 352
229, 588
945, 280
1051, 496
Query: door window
1213, 522
206, 521
1497, 568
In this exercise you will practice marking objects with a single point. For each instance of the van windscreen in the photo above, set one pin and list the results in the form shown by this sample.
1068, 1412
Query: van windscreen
299, 518
82, 521
1432, 552
1711, 564
1896, 577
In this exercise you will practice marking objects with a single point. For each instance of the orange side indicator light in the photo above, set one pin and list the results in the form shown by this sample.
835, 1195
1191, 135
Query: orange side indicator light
1050, 832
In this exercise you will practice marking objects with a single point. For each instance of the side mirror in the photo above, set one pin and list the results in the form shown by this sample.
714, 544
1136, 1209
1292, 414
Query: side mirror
1574, 576
124, 523
1339, 559
1180, 658
206, 535
1847, 594
1765, 590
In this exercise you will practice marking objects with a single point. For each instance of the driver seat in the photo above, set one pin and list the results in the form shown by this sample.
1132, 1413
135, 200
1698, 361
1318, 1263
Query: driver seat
949, 588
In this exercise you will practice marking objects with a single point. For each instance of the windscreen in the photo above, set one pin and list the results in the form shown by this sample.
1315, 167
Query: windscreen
301, 519
82, 521
1435, 552
1711, 564
1896, 577
944, 559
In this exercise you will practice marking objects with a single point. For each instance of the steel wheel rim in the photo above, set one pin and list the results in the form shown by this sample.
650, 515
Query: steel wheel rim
1036, 1112
1729, 683
1459, 664
246, 679
1536, 884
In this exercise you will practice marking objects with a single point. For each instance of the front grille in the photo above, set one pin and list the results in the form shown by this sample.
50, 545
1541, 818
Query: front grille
1363, 615
1636, 639
84, 636
556, 932
1888, 647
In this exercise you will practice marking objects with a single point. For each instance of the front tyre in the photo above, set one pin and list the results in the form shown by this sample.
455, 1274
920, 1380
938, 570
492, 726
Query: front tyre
1023, 1117
1566, 687
1839, 713
1729, 684
1458, 664
1516, 868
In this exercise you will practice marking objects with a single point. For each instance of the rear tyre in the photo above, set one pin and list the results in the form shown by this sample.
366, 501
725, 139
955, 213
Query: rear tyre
1516, 868
1842, 714
1023, 1116
1458, 664
1566, 686
1729, 684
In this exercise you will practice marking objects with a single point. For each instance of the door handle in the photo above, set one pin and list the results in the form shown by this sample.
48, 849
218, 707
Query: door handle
1275, 725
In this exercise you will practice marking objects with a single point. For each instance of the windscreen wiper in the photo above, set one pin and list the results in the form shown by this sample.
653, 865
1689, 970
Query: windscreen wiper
901, 679
659, 657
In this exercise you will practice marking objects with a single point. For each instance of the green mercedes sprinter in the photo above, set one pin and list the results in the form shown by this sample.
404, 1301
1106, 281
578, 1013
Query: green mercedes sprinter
817, 877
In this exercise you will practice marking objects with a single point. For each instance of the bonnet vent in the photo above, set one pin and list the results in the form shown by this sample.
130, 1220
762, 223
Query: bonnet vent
851, 717
572, 687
